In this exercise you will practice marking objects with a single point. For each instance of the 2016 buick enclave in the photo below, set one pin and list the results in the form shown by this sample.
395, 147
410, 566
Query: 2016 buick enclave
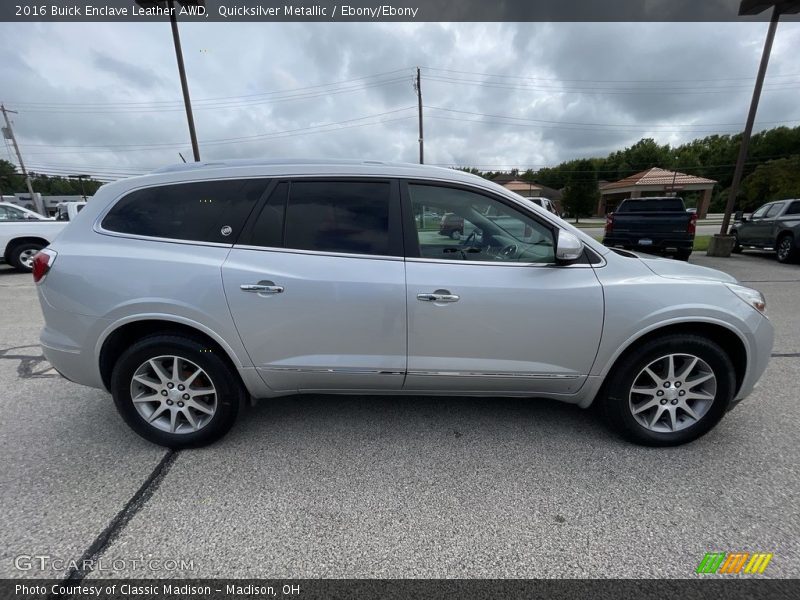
185, 291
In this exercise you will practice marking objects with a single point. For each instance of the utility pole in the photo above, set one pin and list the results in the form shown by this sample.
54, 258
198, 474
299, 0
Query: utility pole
418, 88
8, 132
173, 21
733, 191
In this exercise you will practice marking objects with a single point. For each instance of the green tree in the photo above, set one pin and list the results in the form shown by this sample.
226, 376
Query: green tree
774, 180
581, 192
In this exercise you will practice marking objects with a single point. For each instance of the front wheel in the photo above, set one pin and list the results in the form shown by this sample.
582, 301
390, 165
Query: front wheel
670, 391
175, 391
737, 247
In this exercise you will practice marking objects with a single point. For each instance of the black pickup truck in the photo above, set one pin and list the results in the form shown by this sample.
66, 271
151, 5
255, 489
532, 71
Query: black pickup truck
660, 225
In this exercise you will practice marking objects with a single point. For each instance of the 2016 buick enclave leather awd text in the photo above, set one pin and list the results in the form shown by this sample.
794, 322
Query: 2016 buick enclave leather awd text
186, 291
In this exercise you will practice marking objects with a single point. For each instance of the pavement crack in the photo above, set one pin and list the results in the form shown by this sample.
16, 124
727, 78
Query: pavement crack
785, 355
85, 563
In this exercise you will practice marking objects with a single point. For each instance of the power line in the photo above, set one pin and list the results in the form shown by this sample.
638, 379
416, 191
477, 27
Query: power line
216, 106
700, 80
602, 91
625, 125
218, 98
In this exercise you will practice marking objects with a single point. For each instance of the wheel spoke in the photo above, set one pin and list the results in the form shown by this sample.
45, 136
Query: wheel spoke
159, 371
194, 393
188, 381
645, 391
689, 411
688, 369
190, 418
173, 420
645, 406
157, 413
673, 418
659, 411
176, 374
655, 377
148, 398
153, 385
671, 367
695, 382
698, 396
199, 407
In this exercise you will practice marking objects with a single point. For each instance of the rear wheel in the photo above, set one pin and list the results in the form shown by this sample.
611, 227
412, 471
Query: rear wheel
683, 254
670, 391
21, 256
175, 391
785, 249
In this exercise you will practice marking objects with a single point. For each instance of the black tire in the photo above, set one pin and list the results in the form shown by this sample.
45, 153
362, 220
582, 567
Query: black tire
616, 401
230, 390
456, 234
683, 254
785, 249
17, 252
737, 248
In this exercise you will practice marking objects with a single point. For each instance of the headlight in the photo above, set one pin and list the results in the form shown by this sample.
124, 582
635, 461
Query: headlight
753, 297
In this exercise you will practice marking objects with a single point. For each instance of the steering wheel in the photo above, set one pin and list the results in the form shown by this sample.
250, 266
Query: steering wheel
509, 252
469, 239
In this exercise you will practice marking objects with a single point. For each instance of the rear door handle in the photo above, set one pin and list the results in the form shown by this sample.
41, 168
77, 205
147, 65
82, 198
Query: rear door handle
262, 287
438, 296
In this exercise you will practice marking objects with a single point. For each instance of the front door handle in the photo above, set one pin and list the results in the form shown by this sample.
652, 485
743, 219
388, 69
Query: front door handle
438, 296
262, 287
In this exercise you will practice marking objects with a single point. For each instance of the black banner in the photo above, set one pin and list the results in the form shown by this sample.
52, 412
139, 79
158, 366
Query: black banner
702, 587
377, 11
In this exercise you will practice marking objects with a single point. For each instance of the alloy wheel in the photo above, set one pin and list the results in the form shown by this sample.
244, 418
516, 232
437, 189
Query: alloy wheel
26, 258
784, 249
672, 393
173, 394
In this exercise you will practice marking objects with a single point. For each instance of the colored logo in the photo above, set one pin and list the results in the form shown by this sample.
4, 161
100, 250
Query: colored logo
734, 562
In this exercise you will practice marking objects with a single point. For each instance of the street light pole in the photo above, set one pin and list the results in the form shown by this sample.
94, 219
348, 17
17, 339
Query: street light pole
176, 38
751, 118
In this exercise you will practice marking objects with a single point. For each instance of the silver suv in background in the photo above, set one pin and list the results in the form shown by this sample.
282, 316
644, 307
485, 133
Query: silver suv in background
186, 291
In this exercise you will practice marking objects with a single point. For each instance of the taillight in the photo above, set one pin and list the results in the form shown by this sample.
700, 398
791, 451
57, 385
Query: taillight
609, 223
42, 263
692, 224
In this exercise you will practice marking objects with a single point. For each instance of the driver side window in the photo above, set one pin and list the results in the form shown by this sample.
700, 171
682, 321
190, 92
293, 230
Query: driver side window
456, 224
760, 212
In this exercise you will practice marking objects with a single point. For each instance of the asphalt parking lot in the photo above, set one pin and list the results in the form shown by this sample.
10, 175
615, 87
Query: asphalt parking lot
418, 487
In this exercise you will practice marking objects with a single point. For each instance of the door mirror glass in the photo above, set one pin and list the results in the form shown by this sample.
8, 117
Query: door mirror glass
569, 248
738, 215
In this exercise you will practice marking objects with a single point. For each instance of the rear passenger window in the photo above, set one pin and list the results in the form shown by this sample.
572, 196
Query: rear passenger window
206, 211
794, 208
338, 216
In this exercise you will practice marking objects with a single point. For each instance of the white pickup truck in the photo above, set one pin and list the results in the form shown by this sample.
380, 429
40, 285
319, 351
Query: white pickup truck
23, 233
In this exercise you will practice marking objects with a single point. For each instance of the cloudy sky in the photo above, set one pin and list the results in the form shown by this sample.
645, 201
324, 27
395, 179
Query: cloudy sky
105, 98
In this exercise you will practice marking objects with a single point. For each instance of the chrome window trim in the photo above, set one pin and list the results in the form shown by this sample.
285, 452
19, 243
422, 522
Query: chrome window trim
317, 252
498, 263
133, 236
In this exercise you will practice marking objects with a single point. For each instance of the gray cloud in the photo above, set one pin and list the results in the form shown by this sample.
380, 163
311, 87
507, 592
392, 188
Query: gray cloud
87, 92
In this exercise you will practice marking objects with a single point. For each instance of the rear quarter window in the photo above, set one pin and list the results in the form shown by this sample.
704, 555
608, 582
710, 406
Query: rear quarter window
204, 211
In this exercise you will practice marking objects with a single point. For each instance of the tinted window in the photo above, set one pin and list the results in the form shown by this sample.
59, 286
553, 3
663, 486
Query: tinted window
207, 211
774, 210
761, 211
794, 208
343, 216
476, 228
268, 227
652, 205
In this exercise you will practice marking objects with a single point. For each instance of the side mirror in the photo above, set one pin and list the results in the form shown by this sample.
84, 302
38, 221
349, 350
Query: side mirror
738, 215
568, 247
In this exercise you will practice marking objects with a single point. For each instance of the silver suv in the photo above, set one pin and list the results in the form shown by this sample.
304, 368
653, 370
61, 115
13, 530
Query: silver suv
187, 291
